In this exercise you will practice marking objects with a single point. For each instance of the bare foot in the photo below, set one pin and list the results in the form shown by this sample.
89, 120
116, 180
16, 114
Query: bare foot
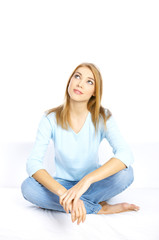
117, 208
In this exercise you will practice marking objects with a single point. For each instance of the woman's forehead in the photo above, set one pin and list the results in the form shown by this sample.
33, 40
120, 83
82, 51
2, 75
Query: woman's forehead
85, 71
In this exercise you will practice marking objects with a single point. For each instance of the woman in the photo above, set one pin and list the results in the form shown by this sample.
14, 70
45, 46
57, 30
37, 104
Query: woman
80, 184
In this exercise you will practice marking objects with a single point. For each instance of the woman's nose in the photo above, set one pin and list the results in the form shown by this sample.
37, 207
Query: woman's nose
80, 83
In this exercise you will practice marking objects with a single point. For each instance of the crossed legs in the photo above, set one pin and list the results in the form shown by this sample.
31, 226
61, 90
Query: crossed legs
94, 198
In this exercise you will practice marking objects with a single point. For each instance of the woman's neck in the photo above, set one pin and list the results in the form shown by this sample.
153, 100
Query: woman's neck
78, 109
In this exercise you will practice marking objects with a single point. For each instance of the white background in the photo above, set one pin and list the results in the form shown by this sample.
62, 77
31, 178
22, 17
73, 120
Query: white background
41, 42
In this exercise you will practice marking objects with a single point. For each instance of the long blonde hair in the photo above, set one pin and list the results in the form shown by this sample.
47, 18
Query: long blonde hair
93, 105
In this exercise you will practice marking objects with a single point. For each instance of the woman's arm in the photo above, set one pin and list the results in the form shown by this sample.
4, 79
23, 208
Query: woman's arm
45, 133
120, 147
111, 167
43, 177
123, 156
34, 164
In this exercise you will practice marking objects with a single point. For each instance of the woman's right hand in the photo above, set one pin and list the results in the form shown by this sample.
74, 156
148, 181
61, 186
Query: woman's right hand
79, 213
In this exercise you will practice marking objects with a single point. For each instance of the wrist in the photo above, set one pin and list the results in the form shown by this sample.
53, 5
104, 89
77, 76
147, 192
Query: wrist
88, 179
61, 190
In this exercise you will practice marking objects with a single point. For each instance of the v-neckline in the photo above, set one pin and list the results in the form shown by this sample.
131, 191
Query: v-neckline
81, 127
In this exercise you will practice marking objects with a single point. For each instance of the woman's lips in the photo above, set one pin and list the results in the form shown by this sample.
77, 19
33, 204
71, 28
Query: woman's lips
77, 92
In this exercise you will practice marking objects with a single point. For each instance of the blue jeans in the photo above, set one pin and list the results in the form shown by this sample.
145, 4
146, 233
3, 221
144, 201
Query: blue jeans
99, 191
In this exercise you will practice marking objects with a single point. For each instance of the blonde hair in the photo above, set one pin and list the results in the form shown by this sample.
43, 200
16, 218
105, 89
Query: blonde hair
93, 105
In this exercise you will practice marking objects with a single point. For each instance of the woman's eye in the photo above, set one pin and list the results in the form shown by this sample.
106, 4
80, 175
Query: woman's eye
76, 75
90, 82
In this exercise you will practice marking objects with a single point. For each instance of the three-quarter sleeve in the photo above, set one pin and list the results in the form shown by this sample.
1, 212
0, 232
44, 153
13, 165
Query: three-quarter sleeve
120, 147
43, 137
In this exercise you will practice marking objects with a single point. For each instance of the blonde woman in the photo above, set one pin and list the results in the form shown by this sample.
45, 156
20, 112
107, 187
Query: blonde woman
80, 184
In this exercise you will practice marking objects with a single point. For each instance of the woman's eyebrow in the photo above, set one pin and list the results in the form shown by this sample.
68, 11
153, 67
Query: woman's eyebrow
88, 77
79, 73
91, 78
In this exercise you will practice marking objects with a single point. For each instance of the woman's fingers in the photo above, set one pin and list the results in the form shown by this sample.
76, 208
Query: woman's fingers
67, 201
84, 213
65, 205
69, 208
62, 197
80, 215
73, 215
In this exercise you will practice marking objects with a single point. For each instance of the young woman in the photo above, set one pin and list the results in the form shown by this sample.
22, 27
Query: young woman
80, 184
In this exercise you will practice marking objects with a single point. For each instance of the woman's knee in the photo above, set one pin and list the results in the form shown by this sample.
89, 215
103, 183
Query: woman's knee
26, 188
130, 174
127, 176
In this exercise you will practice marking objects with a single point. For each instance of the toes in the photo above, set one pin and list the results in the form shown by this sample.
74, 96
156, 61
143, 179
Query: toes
127, 206
134, 207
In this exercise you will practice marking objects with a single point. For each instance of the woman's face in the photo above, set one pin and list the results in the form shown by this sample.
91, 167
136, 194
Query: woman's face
82, 85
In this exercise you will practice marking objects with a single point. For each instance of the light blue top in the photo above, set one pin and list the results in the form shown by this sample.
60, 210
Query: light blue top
76, 154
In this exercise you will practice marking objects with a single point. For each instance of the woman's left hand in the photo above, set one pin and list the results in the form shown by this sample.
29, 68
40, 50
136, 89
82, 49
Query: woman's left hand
73, 194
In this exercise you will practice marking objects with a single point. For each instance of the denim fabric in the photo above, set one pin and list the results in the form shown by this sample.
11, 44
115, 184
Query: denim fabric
99, 191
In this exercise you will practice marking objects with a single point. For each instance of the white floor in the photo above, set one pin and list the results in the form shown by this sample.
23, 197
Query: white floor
22, 221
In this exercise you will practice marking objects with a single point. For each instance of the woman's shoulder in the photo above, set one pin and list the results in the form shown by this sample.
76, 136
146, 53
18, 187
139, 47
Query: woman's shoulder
108, 113
51, 117
105, 117
105, 111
